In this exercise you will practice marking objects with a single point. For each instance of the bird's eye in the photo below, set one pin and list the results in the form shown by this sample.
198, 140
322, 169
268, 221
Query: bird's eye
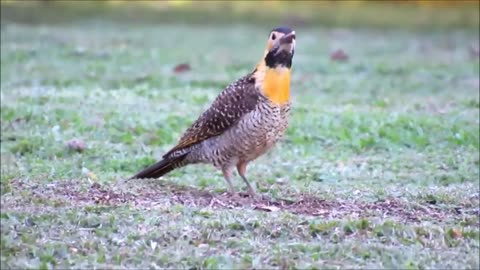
273, 37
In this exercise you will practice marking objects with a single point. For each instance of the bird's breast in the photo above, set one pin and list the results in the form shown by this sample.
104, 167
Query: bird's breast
276, 85
252, 136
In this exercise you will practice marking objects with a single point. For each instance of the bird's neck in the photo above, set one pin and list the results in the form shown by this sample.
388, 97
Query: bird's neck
273, 83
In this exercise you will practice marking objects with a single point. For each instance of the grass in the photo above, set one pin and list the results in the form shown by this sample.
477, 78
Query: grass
379, 167
413, 15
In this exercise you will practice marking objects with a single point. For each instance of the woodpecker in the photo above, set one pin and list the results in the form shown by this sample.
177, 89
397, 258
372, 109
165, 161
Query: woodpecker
243, 122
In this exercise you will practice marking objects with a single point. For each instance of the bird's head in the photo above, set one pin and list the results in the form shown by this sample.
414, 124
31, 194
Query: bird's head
280, 48
272, 73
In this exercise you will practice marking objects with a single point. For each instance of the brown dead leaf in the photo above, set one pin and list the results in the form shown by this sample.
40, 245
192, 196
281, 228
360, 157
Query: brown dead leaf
184, 67
76, 145
339, 55
456, 233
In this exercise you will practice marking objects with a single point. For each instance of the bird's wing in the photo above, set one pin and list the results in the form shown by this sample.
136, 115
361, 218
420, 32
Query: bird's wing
234, 101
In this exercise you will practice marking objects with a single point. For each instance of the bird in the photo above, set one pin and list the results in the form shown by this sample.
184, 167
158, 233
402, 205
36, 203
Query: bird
247, 118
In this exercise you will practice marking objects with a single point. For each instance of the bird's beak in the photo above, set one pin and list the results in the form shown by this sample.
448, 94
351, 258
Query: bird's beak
287, 43
288, 39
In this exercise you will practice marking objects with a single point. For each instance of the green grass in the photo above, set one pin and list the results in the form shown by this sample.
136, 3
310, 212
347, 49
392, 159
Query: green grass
438, 15
379, 167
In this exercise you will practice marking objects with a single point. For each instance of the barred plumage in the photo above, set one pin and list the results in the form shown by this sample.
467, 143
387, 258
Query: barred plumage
246, 119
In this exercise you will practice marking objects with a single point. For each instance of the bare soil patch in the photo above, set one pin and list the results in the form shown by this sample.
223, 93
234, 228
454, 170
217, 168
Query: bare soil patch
73, 193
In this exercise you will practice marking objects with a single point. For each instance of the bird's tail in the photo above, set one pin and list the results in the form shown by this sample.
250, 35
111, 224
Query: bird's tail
162, 167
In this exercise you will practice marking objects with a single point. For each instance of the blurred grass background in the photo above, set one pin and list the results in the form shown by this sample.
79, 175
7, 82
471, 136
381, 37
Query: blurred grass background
413, 14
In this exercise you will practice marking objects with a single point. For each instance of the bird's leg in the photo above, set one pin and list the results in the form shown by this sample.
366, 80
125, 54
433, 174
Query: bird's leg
242, 168
227, 174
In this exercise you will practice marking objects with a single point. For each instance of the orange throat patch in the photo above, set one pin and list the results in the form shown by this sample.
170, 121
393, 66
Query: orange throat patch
274, 83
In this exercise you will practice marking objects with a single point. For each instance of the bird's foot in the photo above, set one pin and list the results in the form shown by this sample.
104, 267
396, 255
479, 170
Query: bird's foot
252, 193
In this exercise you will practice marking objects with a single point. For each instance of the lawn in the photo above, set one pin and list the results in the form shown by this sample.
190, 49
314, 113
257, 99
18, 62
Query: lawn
379, 167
